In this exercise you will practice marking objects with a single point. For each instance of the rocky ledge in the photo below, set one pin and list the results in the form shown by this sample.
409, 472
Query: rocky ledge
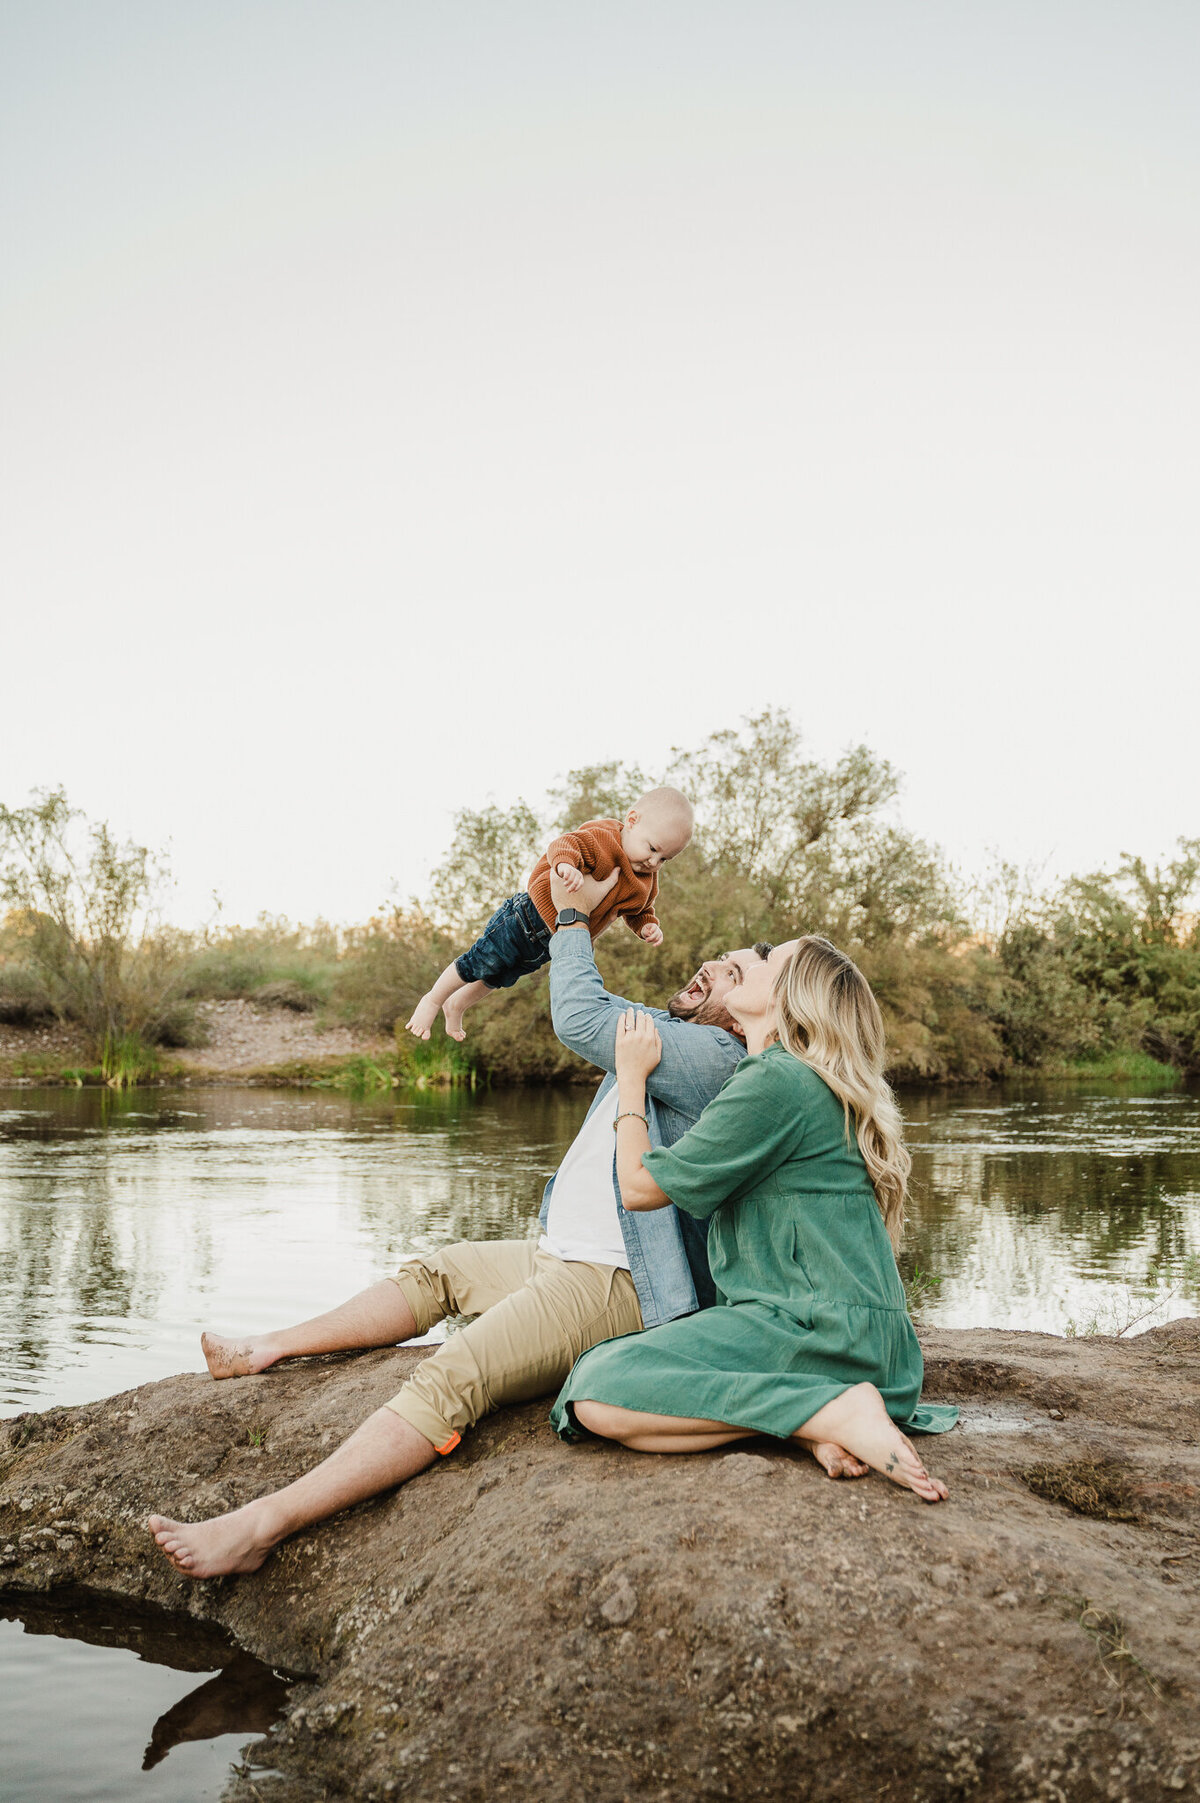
529, 1620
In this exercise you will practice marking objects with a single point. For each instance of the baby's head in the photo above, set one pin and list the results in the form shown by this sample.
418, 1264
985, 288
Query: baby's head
657, 827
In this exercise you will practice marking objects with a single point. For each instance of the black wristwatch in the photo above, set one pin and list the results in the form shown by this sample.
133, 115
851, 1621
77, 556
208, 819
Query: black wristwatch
569, 917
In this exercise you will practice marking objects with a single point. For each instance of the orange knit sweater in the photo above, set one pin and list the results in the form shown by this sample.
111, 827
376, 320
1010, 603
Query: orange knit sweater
595, 848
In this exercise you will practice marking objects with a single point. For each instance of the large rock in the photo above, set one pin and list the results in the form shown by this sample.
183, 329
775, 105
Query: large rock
529, 1620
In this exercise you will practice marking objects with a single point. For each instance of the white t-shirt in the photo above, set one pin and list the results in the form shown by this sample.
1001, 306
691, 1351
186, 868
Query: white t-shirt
584, 1223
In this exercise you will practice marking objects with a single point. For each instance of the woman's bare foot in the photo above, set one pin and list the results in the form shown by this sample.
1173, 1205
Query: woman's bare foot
423, 1016
236, 1358
835, 1461
453, 1010
858, 1421
236, 1542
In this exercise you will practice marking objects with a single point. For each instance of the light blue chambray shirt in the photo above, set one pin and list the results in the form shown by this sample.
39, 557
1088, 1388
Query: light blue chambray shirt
668, 1260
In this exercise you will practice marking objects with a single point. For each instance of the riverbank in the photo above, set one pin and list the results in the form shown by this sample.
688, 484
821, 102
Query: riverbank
251, 1045
531, 1619
244, 1044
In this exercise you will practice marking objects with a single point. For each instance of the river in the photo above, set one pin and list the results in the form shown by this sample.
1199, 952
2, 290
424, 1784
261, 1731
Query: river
130, 1221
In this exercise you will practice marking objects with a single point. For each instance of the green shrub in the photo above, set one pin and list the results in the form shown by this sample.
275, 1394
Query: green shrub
386, 967
238, 963
289, 993
83, 910
24, 998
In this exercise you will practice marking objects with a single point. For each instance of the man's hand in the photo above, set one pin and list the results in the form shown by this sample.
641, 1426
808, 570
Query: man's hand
568, 874
652, 933
587, 895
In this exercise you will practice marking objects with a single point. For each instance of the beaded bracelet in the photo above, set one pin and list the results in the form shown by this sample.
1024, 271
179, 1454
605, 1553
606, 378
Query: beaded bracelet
631, 1114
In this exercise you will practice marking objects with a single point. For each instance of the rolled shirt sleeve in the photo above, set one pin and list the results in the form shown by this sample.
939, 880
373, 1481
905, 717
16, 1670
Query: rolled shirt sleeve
754, 1124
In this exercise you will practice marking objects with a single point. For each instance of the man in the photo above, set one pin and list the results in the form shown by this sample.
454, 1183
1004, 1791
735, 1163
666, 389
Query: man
596, 1272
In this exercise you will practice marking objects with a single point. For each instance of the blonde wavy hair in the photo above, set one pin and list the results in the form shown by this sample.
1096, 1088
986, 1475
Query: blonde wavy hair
826, 1015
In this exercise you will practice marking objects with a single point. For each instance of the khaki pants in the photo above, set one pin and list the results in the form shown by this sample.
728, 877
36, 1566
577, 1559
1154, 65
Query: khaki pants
537, 1314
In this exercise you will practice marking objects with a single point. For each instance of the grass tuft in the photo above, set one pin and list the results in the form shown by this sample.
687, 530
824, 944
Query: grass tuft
920, 1289
1099, 1488
1109, 1635
1128, 1066
433, 1063
126, 1060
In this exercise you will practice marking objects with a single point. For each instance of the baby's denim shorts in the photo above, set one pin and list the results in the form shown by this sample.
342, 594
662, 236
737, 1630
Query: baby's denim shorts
515, 941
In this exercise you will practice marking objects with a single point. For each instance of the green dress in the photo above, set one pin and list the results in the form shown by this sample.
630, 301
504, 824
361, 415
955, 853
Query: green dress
809, 1300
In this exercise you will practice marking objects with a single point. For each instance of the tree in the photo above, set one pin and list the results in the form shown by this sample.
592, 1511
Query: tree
596, 792
86, 906
764, 808
493, 851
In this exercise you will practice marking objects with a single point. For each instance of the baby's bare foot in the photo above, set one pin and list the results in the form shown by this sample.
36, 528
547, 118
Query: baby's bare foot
236, 1542
835, 1460
235, 1358
422, 1018
452, 1012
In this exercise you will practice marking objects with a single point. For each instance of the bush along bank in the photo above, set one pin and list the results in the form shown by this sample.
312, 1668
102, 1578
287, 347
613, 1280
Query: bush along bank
1098, 980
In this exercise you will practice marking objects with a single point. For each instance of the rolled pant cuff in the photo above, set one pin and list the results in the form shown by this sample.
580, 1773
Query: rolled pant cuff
418, 1414
418, 1295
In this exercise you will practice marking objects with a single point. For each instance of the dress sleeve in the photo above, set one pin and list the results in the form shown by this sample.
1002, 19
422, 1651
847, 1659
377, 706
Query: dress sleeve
755, 1124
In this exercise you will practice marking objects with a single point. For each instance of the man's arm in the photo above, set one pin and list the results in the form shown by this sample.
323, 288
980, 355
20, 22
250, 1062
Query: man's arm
695, 1060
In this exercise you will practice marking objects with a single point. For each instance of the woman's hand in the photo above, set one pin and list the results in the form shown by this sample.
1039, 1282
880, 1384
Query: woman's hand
639, 1046
639, 1049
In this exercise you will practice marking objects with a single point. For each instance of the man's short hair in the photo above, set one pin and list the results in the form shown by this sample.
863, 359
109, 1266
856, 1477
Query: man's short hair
764, 948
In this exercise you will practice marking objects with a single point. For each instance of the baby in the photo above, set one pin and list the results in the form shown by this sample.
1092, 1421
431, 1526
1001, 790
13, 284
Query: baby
516, 940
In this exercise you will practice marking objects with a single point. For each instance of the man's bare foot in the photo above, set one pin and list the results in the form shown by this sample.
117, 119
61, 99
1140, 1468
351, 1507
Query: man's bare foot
835, 1461
422, 1018
859, 1422
453, 1011
236, 1542
235, 1358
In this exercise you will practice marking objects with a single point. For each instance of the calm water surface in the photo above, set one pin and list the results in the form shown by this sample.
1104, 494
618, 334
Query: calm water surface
129, 1222
94, 1707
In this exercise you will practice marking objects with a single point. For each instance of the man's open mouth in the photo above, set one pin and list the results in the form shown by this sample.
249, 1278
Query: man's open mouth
696, 992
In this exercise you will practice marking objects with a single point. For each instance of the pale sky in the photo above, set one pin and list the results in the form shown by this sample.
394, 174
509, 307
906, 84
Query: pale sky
402, 404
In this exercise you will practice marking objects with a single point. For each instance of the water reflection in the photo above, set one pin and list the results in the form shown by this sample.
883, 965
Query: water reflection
125, 1228
128, 1222
118, 1664
1042, 1209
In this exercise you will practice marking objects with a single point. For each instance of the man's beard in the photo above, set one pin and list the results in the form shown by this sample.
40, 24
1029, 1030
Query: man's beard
702, 1011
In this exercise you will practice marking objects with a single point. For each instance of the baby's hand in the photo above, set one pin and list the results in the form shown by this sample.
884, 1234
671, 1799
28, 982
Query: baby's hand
571, 877
652, 933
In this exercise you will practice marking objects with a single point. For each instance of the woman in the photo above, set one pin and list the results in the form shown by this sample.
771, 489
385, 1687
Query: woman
800, 1169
